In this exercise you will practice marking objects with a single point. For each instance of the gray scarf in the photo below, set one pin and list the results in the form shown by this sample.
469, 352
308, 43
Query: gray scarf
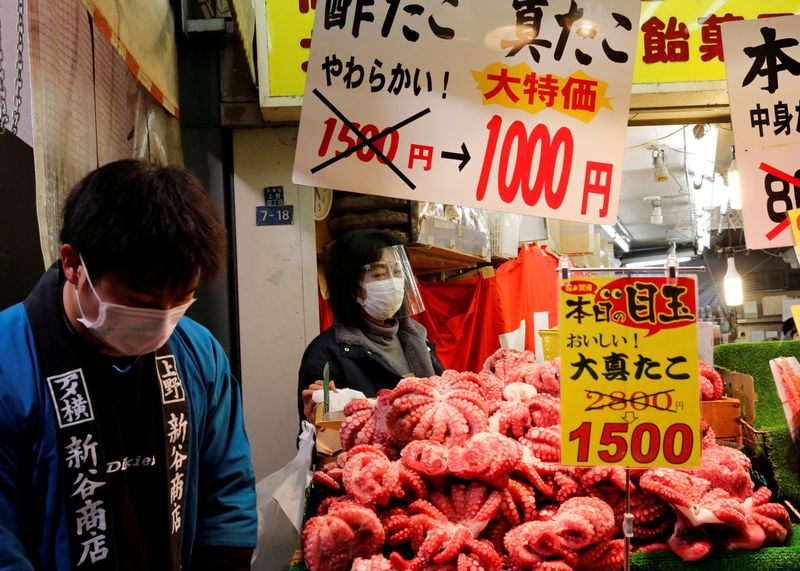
412, 337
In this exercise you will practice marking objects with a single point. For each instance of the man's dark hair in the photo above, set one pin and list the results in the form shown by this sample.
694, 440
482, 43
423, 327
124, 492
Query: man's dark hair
348, 255
153, 226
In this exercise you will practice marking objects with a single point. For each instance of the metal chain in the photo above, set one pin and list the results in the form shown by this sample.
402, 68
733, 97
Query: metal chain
4, 116
20, 61
3, 112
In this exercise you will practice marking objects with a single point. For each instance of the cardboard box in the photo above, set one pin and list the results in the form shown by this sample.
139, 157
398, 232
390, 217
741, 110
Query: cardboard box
573, 238
742, 387
452, 236
724, 416
328, 444
772, 304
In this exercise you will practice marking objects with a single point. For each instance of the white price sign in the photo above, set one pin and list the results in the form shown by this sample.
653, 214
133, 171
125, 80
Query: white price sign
497, 104
762, 63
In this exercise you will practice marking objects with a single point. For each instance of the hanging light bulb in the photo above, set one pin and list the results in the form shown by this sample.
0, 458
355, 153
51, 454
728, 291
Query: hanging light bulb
733, 285
734, 190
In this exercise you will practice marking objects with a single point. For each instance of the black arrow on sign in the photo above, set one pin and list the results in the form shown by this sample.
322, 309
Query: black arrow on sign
629, 417
463, 156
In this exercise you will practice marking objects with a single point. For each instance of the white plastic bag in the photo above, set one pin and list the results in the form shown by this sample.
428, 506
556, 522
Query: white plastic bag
280, 501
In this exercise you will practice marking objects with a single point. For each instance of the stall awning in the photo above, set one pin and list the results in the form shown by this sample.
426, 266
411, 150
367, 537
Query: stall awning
143, 32
245, 16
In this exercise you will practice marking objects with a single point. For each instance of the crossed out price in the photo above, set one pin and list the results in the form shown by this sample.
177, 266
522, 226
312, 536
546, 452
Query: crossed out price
346, 140
644, 442
781, 189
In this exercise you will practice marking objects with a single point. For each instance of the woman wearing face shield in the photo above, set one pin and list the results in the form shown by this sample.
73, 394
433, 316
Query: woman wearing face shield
373, 342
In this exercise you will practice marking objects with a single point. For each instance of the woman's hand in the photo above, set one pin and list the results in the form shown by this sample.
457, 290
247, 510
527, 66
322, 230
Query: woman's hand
308, 402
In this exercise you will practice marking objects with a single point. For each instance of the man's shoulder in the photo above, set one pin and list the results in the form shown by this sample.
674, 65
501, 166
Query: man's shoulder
13, 315
15, 330
190, 335
197, 349
20, 360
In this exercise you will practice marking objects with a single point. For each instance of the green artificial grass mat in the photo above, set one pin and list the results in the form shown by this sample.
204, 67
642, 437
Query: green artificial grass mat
753, 359
781, 558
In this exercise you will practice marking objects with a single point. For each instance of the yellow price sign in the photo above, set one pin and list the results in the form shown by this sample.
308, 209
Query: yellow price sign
629, 373
794, 222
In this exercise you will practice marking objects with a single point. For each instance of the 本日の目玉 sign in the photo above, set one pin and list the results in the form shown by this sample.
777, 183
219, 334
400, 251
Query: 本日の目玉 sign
502, 105
629, 372
763, 72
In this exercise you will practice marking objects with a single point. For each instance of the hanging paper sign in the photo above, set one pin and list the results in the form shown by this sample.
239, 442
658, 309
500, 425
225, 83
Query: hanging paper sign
629, 373
763, 69
502, 105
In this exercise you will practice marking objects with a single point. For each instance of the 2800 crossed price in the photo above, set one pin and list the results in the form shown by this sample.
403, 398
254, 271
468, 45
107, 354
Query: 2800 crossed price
644, 441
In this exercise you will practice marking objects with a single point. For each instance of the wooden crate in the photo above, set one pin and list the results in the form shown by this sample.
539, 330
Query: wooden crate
725, 417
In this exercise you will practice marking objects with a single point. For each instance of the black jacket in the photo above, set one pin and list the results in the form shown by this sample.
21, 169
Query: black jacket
352, 364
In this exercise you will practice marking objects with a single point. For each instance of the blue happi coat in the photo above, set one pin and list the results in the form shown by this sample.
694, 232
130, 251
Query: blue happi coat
220, 493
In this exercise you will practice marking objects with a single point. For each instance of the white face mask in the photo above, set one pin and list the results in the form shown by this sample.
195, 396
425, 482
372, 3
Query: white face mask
131, 330
384, 298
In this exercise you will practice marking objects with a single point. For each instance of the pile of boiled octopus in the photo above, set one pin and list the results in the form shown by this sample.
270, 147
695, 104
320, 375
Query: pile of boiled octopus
462, 472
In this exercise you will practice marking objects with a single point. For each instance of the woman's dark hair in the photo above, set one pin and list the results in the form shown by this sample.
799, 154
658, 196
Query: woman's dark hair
348, 255
789, 328
153, 226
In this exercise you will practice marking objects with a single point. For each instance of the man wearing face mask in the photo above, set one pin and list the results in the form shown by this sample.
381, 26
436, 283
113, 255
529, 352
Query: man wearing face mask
373, 342
123, 445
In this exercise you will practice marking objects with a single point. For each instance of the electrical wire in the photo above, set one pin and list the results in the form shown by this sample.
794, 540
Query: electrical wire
651, 141
716, 164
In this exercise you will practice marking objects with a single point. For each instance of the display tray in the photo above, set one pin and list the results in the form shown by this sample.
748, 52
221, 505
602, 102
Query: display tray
781, 558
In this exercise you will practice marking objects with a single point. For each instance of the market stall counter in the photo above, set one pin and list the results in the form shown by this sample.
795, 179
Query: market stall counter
780, 459
463, 470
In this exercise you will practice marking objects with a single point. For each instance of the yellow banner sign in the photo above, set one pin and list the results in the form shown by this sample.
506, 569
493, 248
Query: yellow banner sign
288, 45
681, 41
629, 372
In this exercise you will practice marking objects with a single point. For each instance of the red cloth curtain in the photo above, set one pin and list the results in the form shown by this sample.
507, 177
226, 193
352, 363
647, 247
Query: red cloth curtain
461, 319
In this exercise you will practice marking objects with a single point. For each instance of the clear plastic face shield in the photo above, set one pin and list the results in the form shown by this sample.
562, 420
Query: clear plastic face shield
388, 286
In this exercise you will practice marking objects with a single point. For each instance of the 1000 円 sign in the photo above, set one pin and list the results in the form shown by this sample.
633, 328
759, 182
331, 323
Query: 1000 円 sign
489, 104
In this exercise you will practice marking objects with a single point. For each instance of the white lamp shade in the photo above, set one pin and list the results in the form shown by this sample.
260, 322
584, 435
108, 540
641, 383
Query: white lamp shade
734, 294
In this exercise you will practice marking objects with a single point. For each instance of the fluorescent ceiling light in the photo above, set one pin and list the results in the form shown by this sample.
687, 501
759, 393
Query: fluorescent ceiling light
609, 230
619, 234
